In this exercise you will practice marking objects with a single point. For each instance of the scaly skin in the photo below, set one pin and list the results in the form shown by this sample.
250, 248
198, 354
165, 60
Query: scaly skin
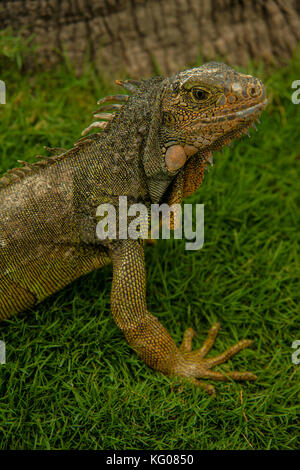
153, 148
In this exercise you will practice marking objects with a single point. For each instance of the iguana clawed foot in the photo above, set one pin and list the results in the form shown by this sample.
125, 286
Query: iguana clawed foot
197, 366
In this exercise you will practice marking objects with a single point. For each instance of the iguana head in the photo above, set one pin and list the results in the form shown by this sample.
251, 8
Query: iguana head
202, 109
208, 103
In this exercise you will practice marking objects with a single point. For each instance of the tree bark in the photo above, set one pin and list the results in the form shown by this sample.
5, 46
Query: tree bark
140, 37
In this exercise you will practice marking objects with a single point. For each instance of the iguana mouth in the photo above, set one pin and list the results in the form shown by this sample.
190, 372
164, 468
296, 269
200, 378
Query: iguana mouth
242, 113
251, 110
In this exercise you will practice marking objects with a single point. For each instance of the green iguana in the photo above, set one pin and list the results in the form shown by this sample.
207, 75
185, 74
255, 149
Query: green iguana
153, 148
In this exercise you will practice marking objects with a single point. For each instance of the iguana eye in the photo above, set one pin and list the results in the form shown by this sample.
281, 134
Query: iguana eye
199, 94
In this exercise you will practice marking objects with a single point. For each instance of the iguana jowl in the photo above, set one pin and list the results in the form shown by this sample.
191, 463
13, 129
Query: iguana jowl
152, 148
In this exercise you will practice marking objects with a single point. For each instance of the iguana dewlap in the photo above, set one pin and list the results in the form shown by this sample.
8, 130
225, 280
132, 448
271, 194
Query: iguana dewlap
153, 148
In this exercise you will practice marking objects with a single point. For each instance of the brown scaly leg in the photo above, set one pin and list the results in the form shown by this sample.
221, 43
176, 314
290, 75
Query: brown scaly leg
146, 334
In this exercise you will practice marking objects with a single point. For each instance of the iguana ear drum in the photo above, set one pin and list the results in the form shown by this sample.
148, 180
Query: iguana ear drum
175, 157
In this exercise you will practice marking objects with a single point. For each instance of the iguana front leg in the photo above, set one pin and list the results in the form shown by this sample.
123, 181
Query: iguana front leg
147, 335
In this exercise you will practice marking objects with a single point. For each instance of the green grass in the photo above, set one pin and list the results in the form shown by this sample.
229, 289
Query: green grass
72, 382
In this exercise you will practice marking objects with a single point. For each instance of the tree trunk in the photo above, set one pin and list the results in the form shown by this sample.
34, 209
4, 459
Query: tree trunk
140, 36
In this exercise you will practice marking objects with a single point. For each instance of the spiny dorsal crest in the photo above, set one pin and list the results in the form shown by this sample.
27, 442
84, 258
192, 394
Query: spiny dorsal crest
105, 113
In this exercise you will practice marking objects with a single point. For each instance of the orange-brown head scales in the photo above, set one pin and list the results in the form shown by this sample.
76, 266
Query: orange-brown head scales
207, 107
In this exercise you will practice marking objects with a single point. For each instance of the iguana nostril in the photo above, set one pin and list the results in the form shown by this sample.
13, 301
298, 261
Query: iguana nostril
253, 92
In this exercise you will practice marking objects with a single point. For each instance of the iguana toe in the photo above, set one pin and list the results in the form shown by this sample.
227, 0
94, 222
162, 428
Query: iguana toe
194, 365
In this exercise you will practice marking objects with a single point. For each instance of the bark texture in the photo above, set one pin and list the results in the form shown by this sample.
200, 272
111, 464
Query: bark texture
134, 35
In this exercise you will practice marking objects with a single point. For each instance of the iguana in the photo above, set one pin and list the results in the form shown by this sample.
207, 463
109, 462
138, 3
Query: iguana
153, 147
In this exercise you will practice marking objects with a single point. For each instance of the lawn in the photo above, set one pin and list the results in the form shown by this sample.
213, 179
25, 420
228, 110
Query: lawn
72, 382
